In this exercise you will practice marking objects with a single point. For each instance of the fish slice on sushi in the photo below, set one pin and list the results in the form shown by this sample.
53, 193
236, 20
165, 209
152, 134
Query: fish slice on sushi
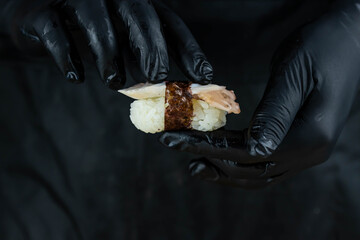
180, 105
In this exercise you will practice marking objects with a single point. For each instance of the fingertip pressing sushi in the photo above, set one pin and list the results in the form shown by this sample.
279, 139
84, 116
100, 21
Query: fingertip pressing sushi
180, 105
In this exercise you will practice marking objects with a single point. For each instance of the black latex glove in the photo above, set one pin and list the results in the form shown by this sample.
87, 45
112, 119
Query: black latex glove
110, 27
314, 80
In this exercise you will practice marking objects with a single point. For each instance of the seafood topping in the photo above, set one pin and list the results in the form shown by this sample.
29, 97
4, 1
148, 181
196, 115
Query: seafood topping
215, 95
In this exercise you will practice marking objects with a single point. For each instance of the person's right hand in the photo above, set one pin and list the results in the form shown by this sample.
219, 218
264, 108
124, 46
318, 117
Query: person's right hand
109, 27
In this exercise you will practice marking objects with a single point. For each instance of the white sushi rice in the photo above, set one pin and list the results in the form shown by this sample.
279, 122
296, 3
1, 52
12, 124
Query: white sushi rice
148, 115
207, 118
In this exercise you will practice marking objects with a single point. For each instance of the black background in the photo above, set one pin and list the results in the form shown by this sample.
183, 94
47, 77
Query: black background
73, 166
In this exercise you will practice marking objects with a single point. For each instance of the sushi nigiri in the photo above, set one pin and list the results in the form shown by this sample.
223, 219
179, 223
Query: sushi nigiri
180, 105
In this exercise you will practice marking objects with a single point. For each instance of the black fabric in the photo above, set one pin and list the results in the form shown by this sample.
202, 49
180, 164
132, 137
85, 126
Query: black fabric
72, 166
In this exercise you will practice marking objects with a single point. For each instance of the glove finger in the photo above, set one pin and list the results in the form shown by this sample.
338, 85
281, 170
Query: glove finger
221, 144
237, 170
131, 64
145, 37
183, 46
94, 21
289, 85
59, 45
205, 170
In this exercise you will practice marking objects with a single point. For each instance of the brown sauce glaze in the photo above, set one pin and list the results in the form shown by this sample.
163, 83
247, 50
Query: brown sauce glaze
179, 106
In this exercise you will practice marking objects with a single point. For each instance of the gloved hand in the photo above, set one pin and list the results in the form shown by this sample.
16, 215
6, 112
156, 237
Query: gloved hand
314, 80
110, 26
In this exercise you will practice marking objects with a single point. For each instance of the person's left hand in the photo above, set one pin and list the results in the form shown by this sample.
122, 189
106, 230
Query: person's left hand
314, 81
131, 36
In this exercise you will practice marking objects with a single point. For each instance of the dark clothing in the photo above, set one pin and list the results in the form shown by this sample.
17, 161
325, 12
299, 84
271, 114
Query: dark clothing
72, 166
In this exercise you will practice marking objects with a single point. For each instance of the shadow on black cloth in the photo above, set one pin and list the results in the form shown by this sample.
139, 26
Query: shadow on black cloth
72, 166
